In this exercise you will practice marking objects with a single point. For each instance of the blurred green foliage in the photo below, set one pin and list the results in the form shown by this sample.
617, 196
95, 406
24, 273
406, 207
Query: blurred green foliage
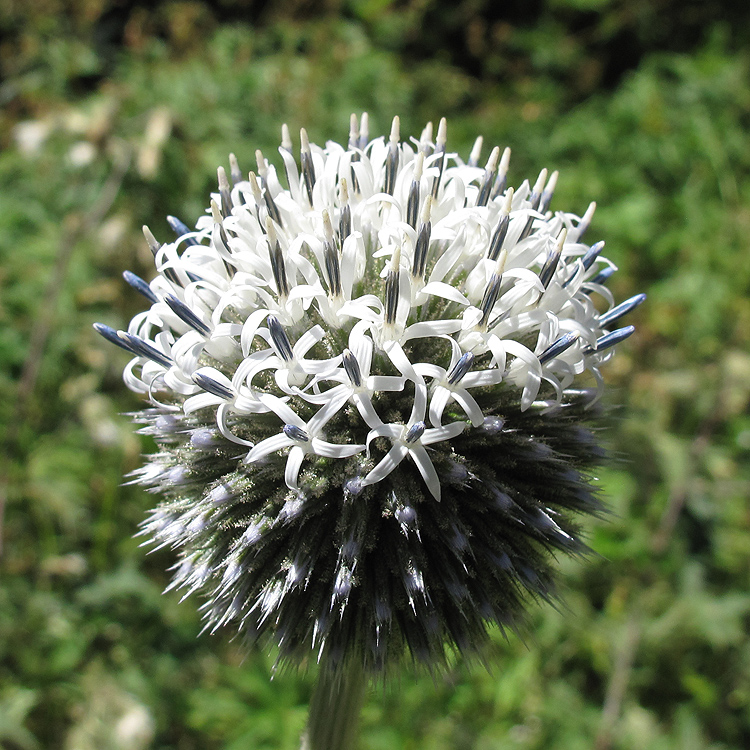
113, 116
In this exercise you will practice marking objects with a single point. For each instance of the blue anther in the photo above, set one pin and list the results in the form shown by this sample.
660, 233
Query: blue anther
351, 367
498, 238
181, 229
622, 309
295, 433
461, 368
558, 347
549, 268
186, 315
610, 339
592, 254
415, 432
140, 286
144, 349
280, 339
603, 275
212, 386
112, 336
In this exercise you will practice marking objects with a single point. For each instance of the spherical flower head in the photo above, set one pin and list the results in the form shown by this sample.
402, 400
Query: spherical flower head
369, 381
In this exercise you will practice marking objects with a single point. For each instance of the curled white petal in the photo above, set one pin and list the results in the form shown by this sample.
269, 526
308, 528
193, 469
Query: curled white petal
253, 311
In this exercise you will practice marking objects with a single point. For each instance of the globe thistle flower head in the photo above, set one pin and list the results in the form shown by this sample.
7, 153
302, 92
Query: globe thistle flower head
370, 373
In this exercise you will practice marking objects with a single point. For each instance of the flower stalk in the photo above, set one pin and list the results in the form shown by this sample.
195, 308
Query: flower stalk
337, 699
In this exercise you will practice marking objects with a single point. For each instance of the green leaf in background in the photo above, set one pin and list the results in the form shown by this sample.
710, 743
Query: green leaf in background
643, 107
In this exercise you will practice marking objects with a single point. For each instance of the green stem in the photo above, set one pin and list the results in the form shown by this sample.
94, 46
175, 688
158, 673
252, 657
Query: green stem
334, 710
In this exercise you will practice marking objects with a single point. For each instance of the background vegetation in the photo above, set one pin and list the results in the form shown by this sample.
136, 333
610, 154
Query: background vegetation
112, 116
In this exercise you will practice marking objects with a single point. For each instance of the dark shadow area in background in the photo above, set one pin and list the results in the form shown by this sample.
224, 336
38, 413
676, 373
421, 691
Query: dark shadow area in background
582, 45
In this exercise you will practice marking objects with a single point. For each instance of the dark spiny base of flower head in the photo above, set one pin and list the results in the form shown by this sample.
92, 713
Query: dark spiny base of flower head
374, 572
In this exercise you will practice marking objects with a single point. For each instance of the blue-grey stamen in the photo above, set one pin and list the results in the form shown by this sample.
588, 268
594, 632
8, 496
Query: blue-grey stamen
550, 265
306, 165
224, 192
622, 309
592, 254
536, 192
490, 171
278, 267
585, 221
527, 229
345, 217
181, 230
610, 340
415, 432
333, 268
491, 294
559, 346
501, 181
144, 349
498, 237
412, 205
295, 433
461, 368
225, 241
440, 149
391, 295
234, 169
419, 265
177, 226
547, 193
353, 146
280, 339
113, 337
184, 313
331, 256
534, 199
273, 209
345, 223
351, 367
223, 238
212, 386
603, 275
392, 159
140, 286
587, 260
